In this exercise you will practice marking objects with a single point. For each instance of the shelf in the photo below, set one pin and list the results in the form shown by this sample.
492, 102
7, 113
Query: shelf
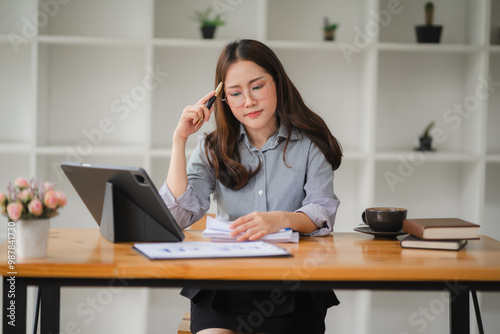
421, 157
131, 160
83, 150
304, 45
495, 49
493, 158
273, 43
14, 148
165, 152
430, 48
216, 44
91, 41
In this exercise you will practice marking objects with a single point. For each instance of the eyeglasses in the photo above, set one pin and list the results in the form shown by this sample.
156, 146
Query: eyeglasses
236, 98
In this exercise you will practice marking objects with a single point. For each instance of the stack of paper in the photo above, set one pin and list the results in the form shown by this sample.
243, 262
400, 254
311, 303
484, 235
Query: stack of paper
219, 231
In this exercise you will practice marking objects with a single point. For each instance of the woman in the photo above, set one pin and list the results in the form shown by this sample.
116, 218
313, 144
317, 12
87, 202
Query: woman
269, 165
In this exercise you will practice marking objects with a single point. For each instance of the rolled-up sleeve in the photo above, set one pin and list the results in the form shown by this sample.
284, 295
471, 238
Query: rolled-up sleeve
320, 203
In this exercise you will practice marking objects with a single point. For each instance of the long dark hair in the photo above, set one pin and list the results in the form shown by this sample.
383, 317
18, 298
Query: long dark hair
221, 145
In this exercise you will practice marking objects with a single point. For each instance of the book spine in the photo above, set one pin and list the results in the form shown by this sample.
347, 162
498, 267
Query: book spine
413, 229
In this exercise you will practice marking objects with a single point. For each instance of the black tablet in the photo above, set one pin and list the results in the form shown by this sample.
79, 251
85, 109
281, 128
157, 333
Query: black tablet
124, 202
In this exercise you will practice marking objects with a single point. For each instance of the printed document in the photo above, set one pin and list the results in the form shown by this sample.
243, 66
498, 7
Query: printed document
204, 249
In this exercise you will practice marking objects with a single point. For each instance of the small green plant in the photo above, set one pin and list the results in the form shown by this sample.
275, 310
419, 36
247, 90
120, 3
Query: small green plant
207, 20
429, 13
329, 30
327, 26
427, 130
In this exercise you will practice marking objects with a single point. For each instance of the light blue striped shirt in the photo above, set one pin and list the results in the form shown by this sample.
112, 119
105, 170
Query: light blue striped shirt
305, 186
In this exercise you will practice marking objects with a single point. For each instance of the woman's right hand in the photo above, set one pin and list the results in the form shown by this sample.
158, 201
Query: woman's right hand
189, 122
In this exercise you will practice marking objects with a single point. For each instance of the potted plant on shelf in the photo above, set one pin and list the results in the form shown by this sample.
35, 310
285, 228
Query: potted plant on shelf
425, 140
429, 33
29, 207
329, 30
208, 23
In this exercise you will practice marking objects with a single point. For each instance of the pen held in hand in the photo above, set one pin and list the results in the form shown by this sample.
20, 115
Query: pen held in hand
211, 101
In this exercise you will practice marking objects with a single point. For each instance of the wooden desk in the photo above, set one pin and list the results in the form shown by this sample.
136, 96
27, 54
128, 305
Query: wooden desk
81, 257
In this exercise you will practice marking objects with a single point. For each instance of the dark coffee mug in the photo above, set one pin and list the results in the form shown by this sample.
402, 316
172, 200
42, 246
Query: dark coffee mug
384, 219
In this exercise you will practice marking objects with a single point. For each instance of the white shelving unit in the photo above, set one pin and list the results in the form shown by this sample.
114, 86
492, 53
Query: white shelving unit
110, 89
105, 82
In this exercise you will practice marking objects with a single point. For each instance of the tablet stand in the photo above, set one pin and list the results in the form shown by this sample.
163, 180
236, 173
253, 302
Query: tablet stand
124, 221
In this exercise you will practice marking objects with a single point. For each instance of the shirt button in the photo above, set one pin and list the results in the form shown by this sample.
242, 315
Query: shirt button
261, 192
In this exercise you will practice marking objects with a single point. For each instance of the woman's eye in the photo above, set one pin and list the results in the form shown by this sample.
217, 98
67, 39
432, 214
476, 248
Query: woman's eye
235, 94
257, 87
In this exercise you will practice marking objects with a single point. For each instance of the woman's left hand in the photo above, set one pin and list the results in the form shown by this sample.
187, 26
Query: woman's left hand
257, 224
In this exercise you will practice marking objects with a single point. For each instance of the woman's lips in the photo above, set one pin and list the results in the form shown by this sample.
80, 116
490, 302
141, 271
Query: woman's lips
254, 113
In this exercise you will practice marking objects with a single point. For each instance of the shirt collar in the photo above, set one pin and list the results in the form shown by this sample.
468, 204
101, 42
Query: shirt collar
282, 133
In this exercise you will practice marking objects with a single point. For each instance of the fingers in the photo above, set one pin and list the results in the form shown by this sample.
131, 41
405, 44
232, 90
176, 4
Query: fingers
251, 227
205, 116
251, 235
197, 113
194, 115
241, 224
207, 97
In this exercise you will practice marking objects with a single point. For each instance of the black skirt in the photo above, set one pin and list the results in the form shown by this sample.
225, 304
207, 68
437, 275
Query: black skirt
272, 312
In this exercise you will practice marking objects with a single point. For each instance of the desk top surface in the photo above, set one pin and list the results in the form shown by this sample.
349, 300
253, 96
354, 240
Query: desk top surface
84, 253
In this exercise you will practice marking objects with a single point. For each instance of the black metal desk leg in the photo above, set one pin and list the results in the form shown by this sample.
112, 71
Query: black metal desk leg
459, 311
14, 305
51, 309
477, 310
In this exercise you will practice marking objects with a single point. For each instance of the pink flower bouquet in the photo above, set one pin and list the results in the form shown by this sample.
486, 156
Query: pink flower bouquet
29, 200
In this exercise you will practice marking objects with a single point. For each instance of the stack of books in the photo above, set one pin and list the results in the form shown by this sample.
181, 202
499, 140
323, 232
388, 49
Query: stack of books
218, 231
438, 233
